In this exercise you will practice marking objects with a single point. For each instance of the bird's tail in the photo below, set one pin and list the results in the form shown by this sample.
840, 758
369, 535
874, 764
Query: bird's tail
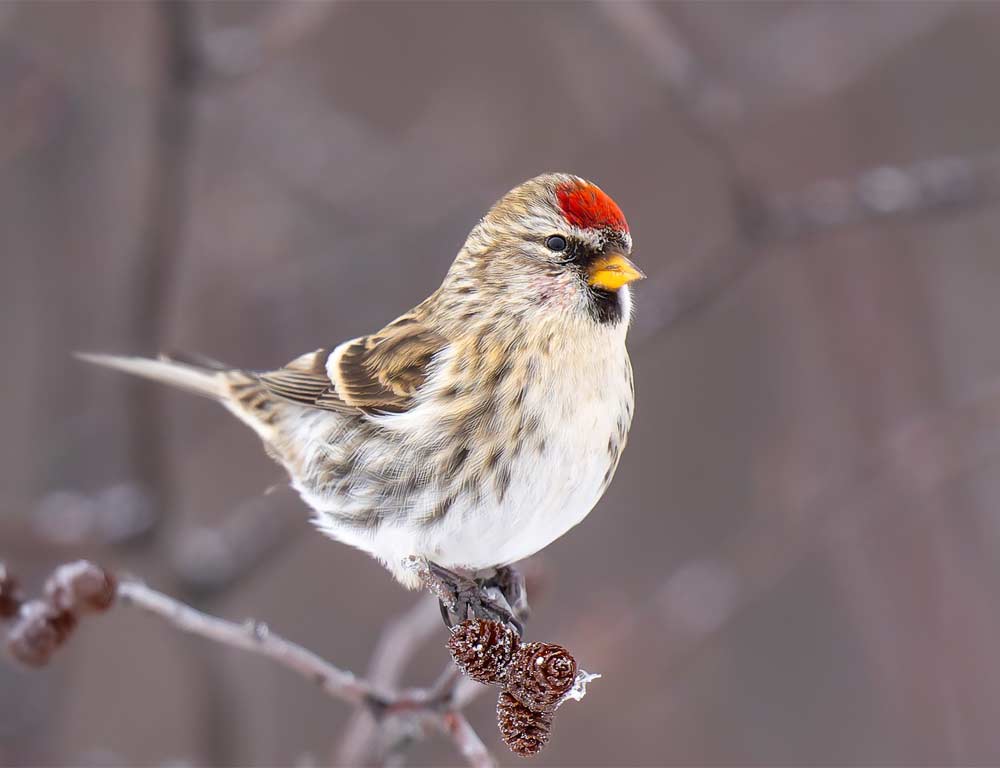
200, 379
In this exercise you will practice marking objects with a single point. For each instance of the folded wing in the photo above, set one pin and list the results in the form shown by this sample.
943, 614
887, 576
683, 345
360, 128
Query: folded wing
379, 373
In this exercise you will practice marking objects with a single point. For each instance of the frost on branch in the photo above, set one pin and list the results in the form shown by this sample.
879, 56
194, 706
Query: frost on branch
579, 689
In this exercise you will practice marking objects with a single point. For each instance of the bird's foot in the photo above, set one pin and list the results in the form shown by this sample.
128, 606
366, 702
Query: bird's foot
462, 596
510, 581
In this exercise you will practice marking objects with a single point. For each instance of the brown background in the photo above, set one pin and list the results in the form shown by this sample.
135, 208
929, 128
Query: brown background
797, 562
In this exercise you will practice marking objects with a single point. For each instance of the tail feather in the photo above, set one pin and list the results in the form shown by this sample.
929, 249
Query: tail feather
200, 380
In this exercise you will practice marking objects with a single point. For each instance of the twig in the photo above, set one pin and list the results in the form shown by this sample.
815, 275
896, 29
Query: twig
400, 640
816, 50
925, 454
705, 108
208, 559
703, 103
435, 706
938, 186
467, 740
252, 636
164, 222
77, 590
236, 52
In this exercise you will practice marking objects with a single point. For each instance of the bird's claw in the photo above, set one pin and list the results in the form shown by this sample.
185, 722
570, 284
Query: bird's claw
461, 596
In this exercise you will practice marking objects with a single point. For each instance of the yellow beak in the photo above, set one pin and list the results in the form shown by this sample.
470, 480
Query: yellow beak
613, 271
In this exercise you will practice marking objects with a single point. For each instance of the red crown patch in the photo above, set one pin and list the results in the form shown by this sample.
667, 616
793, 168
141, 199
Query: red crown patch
587, 207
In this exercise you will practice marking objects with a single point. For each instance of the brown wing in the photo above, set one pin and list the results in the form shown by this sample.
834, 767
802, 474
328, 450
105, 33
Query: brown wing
375, 374
304, 381
382, 372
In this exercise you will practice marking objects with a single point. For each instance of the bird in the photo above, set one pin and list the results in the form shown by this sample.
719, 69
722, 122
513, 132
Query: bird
478, 427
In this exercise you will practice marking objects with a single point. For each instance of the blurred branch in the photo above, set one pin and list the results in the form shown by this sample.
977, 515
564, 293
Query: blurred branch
160, 241
814, 50
400, 640
208, 559
192, 57
702, 598
940, 185
702, 102
933, 187
242, 51
705, 107
467, 740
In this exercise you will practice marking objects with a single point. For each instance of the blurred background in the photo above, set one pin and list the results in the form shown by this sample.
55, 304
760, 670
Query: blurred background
798, 560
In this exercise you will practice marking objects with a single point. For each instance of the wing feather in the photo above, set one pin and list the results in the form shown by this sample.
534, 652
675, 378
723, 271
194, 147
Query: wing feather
380, 373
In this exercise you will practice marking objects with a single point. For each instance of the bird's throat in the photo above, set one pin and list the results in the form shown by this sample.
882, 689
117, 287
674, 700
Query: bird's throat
607, 307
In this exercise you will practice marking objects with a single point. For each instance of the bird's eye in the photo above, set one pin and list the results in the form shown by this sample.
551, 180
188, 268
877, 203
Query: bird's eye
556, 243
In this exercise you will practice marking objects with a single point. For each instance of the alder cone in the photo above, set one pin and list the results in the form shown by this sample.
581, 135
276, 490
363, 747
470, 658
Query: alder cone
483, 649
523, 729
41, 629
540, 675
81, 587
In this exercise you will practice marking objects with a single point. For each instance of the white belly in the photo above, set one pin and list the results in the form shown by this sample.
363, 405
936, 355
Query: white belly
585, 410
549, 494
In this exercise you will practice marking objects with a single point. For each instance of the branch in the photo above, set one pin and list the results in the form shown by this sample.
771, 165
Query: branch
76, 590
165, 218
400, 639
257, 637
467, 740
704, 104
939, 186
252, 636
703, 598
208, 559
241, 51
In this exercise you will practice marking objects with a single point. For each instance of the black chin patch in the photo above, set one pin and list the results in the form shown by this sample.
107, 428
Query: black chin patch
605, 306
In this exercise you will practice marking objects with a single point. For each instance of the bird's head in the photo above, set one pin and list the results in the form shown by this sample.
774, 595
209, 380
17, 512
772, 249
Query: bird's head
555, 245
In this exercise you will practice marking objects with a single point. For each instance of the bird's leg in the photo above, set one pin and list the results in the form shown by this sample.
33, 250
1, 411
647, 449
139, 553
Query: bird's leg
459, 596
504, 589
455, 592
510, 581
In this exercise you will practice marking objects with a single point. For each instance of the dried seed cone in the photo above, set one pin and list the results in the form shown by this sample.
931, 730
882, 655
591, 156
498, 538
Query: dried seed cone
39, 631
540, 675
81, 587
10, 594
524, 730
483, 649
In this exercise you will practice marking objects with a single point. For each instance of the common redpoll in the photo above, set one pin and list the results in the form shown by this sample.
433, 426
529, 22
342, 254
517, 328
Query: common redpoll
478, 427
